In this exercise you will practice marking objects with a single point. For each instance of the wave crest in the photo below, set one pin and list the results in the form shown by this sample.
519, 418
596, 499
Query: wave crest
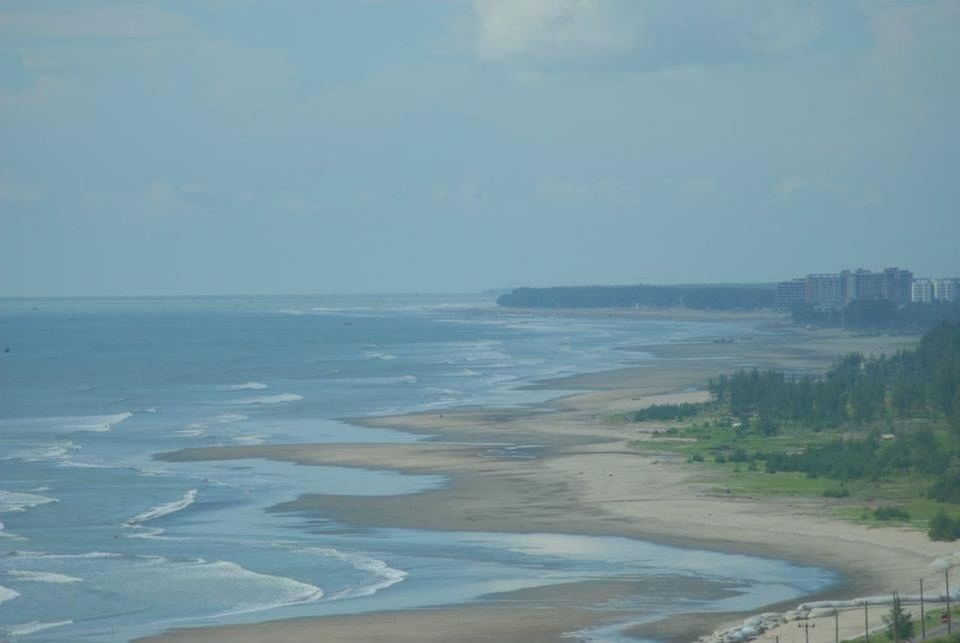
11, 501
42, 577
246, 386
162, 510
272, 399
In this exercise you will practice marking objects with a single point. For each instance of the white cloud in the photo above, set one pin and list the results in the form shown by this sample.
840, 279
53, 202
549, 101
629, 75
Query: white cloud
650, 33
553, 30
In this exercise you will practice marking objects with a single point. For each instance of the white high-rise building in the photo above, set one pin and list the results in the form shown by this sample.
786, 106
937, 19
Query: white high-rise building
945, 289
922, 291
926, 291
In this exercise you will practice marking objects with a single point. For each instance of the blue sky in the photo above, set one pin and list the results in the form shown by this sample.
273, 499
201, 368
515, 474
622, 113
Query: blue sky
246, 146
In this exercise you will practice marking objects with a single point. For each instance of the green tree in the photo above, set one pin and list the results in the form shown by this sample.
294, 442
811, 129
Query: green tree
942, 527
899, 621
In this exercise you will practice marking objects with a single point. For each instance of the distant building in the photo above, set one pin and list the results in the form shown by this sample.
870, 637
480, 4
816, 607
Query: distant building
825, 290
867, 285
926, 291
945, 289
791, 293
897, 284
834, 290
922, 291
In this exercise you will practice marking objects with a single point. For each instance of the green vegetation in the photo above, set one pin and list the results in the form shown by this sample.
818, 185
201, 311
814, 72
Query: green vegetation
701, 297
931, 622
943, 527
882, 429
880, 314
665, 412
899, 621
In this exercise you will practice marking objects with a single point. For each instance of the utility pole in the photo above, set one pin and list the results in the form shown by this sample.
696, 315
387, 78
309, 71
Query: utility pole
836, 625
923, 624
946, 576
944, 565
866, 622
896, 620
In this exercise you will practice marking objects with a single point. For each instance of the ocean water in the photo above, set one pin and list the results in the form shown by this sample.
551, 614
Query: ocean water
100, 542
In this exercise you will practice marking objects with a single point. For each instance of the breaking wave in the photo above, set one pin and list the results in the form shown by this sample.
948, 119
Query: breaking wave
272, 399
246, 386
162, 510
11, 501
381, 575
42, 577
96, 423
33, 626
7, 594
377, 355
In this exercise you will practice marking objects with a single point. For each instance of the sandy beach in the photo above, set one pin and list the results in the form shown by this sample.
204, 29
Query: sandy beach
585, 479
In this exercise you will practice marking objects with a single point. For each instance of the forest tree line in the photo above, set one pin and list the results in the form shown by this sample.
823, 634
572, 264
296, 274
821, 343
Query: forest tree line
701, 297
921, 381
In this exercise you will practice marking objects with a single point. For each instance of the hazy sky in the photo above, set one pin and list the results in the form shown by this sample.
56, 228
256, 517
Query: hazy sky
247, 146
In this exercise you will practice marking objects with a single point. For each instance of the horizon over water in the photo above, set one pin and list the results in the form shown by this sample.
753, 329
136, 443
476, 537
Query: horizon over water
100, 542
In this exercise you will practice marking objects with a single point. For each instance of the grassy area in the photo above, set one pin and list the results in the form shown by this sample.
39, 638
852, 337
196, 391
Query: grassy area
707, 443
932, 622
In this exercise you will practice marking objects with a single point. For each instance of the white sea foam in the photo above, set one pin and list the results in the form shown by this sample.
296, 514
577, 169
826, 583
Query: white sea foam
163, 510
14, 501
294, 591
33, 626
402, 379
146, 533
272, 399
78, 464
378, 355
285, 591
469, 372
246, 386
199, 429
225, 418
383, 575
7, 594
290, 311
95, 423
42, 555
49, 453
42, 577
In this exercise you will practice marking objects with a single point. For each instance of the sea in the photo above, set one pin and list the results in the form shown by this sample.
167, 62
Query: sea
99, 541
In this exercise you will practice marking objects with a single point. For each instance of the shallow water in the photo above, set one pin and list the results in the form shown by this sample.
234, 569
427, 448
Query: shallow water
101, 542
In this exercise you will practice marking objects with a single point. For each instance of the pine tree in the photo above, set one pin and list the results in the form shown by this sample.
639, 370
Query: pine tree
899, 621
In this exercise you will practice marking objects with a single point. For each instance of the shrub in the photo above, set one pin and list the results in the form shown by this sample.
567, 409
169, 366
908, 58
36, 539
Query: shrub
943, 527
891, 513
836, 492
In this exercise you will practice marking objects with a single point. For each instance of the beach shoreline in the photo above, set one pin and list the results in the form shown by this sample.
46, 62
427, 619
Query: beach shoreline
584, 479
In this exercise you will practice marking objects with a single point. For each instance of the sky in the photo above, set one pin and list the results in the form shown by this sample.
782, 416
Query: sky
339, 146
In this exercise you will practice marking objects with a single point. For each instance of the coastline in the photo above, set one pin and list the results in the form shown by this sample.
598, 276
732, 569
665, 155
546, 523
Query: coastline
585, 480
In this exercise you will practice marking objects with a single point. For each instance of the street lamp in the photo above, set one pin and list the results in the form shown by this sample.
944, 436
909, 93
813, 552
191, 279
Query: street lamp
806, 629
944, 565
